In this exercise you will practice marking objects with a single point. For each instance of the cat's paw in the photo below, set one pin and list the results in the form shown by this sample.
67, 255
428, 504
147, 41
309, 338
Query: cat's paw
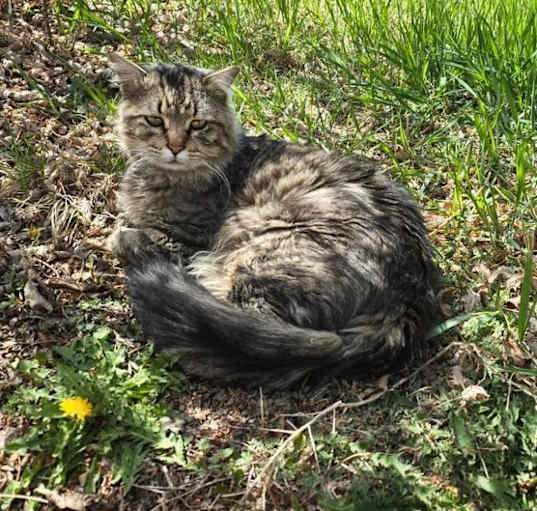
128, 244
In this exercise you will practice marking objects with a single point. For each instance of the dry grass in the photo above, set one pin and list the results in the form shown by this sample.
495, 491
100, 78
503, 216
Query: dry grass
458, 433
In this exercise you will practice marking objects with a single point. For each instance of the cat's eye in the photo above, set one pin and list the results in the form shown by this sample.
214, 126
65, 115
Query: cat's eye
154, 121
198, 125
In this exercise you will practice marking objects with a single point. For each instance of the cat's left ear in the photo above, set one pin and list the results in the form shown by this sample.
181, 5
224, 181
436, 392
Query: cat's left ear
223, 78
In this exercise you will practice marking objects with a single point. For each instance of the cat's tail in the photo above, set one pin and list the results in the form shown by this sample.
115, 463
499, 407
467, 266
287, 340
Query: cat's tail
215, 338
218, 340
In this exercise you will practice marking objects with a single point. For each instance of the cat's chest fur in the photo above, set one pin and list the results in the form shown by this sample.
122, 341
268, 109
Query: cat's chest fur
189, 212
189, 207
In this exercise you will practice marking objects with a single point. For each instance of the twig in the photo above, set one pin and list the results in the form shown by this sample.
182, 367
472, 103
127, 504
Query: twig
164, 470
45, 11
275, 430
73, 286
162, 505
509, 389
334, 422
261, 405
205, 485
370, 399
350, 469
353, 456
10, 13
524, 389
214, 501
266, 473
23, 497
378, 395
49, 266
154, 489
231, 495
312, 441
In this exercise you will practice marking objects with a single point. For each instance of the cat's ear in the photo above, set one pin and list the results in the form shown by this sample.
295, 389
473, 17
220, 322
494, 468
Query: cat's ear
221, 79
130, 75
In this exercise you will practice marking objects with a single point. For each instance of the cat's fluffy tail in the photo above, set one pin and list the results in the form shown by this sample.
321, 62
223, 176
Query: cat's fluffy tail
218, 340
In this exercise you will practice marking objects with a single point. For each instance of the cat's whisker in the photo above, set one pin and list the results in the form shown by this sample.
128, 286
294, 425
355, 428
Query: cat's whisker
220, 174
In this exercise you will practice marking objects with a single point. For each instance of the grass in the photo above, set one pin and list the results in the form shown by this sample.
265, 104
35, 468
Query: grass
443, 93
124, 423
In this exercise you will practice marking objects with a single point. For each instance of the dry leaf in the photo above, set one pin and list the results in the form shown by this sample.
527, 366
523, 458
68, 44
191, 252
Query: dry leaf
457, 379
34, 298
531, 329
474, 393
67, 500
444, 298
514, 354
83, 478
483, 272
402, 154
6, 435
471, 301
174, 425
382, 382
514, 282
513, 303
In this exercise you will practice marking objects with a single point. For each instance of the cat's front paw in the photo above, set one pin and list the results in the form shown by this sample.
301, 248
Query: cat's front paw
129, 245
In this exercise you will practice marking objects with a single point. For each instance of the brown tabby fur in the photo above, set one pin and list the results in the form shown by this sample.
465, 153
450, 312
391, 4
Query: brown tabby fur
303, 262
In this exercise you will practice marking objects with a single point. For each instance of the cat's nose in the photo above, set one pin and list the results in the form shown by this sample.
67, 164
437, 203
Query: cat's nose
175, 146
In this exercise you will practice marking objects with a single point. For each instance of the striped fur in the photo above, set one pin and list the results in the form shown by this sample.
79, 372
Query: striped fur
303, 262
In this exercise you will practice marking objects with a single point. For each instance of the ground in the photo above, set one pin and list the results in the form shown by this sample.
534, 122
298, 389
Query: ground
443, 99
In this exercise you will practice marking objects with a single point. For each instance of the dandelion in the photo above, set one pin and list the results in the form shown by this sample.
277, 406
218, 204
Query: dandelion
76, 407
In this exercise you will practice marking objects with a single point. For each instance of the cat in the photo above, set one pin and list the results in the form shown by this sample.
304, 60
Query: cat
296, 262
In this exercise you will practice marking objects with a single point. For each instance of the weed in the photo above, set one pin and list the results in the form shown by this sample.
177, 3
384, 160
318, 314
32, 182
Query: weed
21, 161
114, 397
443, 95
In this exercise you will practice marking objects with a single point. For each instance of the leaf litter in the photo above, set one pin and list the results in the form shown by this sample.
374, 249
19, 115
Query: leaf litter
57, 208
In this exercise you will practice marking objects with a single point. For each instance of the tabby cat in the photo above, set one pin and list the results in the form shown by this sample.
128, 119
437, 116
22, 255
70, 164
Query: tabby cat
297, 262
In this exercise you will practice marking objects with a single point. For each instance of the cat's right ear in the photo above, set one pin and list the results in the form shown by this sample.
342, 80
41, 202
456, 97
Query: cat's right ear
130, 75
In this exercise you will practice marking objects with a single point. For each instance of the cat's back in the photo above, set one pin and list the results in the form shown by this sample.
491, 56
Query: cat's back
300, 188
282, 170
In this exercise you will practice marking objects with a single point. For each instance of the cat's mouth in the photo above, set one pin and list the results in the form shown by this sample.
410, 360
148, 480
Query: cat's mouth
171, 161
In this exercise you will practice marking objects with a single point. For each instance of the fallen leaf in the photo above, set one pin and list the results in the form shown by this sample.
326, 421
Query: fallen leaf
482, 270
532, 327
174, 425
513, 303
382, 382
528, 486
444, 298
402, 154
6, 435
457, 379
514, 282
474, 393
514, 354
471, 301
34, 298
67, 500
502, 274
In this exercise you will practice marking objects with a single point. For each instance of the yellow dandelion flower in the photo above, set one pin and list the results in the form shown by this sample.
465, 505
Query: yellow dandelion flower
76, 407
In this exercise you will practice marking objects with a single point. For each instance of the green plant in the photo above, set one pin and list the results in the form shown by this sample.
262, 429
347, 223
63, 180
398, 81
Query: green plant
121, 425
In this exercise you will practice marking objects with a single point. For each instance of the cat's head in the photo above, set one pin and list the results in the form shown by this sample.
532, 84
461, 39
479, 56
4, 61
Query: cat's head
176, 118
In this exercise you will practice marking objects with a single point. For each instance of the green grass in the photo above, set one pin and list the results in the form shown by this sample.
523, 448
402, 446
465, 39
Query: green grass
444, 94
21, 161
123, 425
